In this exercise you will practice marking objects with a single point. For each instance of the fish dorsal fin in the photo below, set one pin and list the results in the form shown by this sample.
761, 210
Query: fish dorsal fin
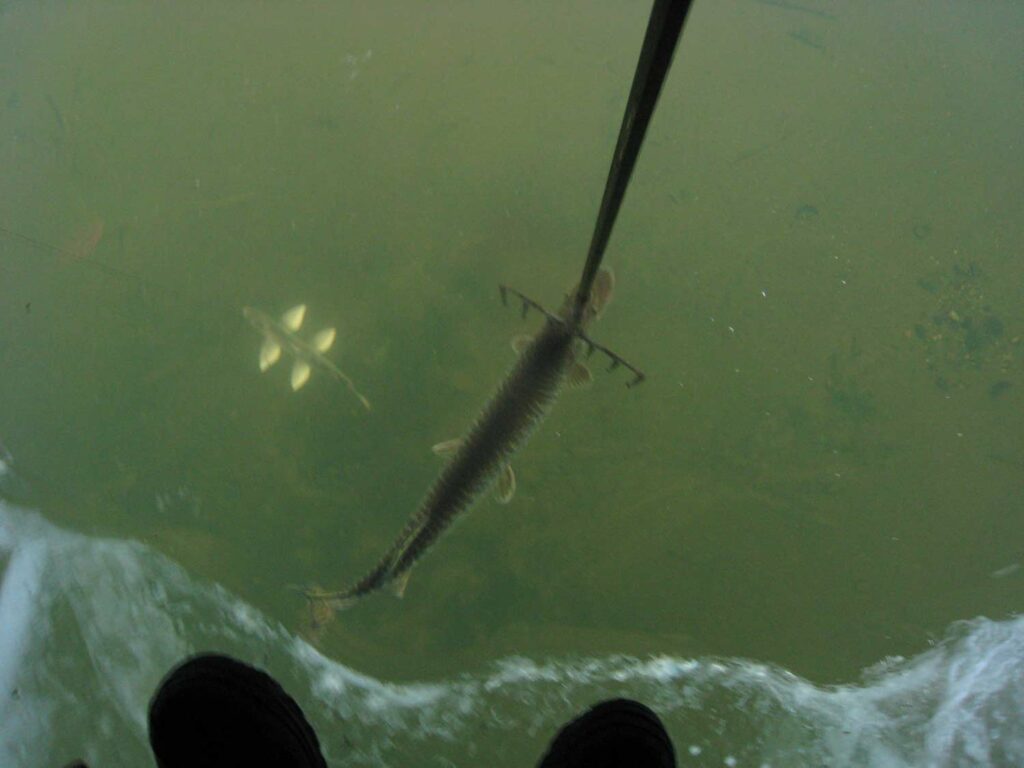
448, 447
323, 340
292, 319
506, 486
270, 353
300, 374
400, 582
578, 375
521, 342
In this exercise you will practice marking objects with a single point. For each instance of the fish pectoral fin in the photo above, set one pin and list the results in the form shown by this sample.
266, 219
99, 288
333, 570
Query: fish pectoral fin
506, 485
300, 374
402, 546
270, 353
578, 375
448, 447
323, 340
521, 342
600, 292
292, 319
400, 582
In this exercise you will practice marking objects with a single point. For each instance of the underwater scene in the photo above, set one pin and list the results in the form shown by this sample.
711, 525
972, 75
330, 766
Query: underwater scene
271, 272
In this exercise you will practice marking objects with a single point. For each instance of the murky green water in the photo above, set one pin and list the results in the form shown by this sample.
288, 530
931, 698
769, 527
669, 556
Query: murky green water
819, 269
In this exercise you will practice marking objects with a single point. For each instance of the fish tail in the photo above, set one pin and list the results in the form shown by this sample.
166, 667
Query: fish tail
323, 606
342, 376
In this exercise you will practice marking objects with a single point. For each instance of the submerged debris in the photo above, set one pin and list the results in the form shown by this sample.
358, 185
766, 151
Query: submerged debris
963, 336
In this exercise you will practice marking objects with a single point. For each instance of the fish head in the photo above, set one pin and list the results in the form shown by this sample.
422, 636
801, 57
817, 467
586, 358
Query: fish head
600, 294
256, 318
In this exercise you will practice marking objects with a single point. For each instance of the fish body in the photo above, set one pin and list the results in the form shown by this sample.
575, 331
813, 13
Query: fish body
481, 459
281, 336
520, 404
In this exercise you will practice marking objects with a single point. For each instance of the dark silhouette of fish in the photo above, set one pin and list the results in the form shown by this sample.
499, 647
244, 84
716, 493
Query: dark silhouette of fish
480, 460
546, 362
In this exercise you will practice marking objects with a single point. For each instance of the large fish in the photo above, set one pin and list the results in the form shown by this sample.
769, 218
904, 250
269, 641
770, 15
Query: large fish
480, 460
282, 336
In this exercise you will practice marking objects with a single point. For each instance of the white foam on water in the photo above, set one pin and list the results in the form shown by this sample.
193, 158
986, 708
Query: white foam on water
19, 596
89, 626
